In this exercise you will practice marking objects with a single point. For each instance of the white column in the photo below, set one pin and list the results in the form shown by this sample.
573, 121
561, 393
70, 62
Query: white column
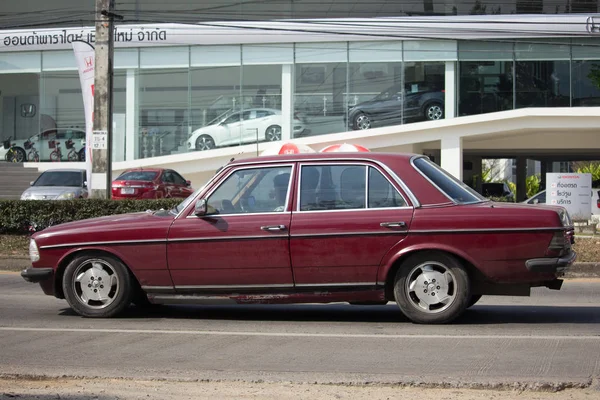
287, 100
131, 116
450, 94
452, 156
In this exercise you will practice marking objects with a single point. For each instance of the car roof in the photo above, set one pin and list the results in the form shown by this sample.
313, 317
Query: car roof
65, 170
353, 156
145, 170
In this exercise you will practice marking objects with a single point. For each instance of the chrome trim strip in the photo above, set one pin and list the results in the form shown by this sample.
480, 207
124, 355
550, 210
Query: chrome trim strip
304, 285
108, 242
485, 230
367, 165
355, 210
228, 238
233, 287
381, 233
213, 216
162, 288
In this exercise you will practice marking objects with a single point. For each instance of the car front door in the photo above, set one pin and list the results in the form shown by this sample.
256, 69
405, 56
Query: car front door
243, 240
232, 129
347, 218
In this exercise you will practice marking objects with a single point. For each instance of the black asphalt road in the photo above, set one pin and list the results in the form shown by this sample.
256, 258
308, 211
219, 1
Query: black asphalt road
551, 338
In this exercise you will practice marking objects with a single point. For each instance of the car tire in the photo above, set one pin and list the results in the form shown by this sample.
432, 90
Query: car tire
432, 288
361, 122
97, 285
473, 300
273, 133
434, 111
205, 142
81, 154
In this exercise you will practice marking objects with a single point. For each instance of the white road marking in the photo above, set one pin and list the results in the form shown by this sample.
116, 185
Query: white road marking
299, 334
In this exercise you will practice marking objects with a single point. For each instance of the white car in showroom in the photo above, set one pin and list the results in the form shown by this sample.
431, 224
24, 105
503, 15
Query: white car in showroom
244, 126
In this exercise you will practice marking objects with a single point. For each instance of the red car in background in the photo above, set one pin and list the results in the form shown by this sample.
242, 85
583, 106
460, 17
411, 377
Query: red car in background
154, 183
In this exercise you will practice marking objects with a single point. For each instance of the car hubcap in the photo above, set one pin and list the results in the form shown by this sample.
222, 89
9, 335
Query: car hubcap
431, 287
204, 143
274, 134
434, 112
96, 284
363, 122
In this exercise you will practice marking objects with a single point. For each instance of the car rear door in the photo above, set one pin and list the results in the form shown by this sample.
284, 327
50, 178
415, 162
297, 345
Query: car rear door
243, 241
341, 231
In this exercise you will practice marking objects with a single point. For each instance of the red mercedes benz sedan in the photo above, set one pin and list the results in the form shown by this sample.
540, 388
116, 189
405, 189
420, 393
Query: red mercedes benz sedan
153, 183
363, 228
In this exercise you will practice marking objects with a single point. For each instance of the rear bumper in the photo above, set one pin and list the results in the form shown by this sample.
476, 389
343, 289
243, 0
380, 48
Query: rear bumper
551, 265
36, 275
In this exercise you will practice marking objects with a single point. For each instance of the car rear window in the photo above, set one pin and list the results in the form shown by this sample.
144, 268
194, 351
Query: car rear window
138, 176
446, 183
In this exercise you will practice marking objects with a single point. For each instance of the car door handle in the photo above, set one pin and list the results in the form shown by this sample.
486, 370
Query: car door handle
400, 224
273, 228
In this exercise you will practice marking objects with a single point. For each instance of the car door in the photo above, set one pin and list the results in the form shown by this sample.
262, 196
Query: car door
243, 240
232, 129
250, 130
168, 184
390, 106
181, 185
341, 231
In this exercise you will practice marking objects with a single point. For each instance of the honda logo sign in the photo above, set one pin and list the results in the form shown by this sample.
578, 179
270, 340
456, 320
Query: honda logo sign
89, 61
28, 110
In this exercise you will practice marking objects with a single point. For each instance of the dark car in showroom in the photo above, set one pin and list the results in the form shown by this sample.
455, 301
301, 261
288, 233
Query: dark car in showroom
150, 183
398, 104
362, 228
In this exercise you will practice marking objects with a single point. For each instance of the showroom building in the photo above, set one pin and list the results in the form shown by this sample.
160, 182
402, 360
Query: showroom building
191, 97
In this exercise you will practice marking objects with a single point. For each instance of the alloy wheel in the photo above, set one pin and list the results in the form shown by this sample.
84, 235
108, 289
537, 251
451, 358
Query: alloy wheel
273, 133
434, 112
362, 122
431, 287
95, 284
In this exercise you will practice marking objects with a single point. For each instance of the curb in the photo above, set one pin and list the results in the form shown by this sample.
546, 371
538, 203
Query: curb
577, 270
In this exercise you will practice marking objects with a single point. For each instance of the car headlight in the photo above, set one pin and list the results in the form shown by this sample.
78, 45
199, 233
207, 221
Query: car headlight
66, 196
34, 253
25, 196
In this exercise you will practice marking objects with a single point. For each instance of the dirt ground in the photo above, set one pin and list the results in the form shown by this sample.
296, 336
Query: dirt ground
105, 389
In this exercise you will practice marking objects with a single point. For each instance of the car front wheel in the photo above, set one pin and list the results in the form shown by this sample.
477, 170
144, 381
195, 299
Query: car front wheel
273, 133
432, 288
97, 285
361, 122
205, 142
434, 111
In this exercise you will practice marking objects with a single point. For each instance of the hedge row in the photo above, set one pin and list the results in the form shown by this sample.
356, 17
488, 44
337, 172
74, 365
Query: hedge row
28, 216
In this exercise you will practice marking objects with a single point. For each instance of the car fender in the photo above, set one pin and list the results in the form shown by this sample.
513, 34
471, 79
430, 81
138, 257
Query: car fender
403, 249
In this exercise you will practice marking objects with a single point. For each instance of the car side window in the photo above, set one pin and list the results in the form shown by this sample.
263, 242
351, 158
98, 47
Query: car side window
253, 190
232, 119
178, 179
167, 177
332, 187
263, 113
382, 194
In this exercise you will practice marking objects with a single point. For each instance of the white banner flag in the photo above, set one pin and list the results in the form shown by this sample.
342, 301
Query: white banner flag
84, 54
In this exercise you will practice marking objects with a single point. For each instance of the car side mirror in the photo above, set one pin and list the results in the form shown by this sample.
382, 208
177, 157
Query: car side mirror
200, 208
188, 183
85, 184
536, 201
31, 183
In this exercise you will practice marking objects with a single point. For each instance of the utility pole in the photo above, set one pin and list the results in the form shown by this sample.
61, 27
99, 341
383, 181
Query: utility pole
101, 146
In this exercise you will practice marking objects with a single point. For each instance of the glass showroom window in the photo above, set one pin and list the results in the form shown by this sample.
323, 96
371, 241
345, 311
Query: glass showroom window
216, 97
586, 74
375, 85
20, 84
542, 75
163, 100
486, 77
321, 86
424, 81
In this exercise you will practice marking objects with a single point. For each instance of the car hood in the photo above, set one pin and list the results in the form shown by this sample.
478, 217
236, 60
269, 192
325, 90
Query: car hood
50, 191
140, 226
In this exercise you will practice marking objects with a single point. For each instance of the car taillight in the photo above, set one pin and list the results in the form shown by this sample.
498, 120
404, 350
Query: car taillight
560, 244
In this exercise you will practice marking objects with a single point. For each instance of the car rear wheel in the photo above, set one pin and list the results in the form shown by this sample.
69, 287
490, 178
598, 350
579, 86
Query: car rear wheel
97, 285
205, 142
273, 133
432, 288
361, 122
434, 111
473, 300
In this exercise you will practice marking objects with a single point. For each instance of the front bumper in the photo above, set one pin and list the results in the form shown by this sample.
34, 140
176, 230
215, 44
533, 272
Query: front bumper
551, 265
36, 275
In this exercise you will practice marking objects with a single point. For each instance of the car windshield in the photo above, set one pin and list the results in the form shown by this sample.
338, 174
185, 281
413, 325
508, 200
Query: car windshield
137, 176
450, 186
59, 178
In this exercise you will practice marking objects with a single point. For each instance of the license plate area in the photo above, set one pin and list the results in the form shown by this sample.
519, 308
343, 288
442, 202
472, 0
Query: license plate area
127, 190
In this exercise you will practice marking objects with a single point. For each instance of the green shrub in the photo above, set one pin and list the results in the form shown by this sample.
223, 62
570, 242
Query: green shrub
27, 216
